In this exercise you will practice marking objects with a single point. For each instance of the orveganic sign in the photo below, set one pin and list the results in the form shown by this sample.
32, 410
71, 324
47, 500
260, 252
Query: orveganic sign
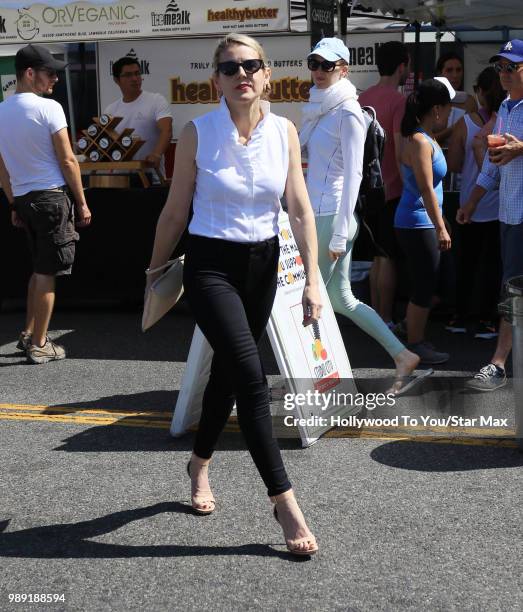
84, 21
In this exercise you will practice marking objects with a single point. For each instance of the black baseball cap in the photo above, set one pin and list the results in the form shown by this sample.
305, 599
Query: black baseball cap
36, 56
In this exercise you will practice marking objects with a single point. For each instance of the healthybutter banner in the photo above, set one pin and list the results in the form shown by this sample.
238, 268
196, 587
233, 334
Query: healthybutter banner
181, 71
84, 21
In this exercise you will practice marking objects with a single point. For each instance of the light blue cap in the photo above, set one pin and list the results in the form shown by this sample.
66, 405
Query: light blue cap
331, 49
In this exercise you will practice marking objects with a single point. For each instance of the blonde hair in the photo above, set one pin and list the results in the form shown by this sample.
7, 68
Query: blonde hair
230, 40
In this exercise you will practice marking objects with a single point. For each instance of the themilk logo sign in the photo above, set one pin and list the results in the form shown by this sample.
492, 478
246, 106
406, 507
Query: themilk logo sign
363, 56
173, 16
2, 25
144, 64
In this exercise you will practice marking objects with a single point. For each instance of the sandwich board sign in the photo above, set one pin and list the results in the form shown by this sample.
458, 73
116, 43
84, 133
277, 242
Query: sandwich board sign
312, 360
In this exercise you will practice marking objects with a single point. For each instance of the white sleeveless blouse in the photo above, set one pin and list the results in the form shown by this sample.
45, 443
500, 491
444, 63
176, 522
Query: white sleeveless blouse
238, 187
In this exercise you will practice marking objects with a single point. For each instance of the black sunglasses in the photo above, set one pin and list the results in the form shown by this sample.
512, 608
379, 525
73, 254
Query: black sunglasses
510, 68
326, 66
48, 71
231, 68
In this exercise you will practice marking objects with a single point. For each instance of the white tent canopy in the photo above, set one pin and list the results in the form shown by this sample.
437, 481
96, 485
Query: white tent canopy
448, 13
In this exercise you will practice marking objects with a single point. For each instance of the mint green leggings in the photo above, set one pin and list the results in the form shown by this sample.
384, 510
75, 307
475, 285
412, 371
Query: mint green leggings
336, 276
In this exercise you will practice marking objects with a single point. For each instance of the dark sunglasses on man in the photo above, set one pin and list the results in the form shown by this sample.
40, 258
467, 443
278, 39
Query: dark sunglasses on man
325, 65
250, 66
510, 68
49, 72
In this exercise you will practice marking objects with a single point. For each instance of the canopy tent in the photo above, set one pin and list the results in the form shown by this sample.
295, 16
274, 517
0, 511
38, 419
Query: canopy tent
453, 13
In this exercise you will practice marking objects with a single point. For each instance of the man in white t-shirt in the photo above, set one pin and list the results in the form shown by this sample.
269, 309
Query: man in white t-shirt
149, 114
36, 163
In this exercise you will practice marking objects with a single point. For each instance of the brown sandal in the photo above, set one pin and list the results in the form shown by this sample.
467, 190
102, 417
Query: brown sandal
293, 546
198, 500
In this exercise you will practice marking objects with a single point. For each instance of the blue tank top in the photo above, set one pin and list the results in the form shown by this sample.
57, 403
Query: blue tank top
411, 212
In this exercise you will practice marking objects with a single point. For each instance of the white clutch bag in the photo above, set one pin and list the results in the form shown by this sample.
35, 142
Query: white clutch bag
163, 293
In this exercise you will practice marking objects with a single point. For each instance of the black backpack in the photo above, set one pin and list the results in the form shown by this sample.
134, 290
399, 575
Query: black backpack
371, 196
372, 152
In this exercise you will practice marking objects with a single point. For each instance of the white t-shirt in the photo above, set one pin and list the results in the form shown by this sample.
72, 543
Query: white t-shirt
142, 115
27, 123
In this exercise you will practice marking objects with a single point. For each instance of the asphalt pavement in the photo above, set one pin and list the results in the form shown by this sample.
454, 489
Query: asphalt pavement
93, 490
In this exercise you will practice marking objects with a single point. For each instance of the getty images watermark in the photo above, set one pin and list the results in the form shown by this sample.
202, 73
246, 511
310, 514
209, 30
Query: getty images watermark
317, 402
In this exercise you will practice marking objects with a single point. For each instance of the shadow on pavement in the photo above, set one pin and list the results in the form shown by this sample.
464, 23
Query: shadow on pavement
440, 457
149, 401
72, 540
130, 435
118, 336
115, 438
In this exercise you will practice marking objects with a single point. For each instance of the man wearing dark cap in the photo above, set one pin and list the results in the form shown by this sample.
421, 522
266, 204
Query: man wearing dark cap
503, 168
36, 164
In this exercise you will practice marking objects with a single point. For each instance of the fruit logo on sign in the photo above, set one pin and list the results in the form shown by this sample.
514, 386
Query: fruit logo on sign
318, 350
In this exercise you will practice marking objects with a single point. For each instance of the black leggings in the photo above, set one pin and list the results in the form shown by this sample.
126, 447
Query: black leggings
230, 287
423, 256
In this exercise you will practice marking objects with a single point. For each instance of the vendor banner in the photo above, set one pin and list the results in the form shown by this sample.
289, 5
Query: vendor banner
125, 19
181, 71
7, 77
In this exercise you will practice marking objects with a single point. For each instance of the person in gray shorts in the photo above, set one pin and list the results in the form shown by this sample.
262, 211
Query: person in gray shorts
48, 218
36, 164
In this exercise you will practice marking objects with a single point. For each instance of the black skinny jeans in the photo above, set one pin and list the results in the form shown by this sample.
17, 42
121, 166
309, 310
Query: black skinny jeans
230, 288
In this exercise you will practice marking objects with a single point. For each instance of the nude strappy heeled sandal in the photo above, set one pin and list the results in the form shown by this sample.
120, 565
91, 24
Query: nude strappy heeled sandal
197, 500
293, 546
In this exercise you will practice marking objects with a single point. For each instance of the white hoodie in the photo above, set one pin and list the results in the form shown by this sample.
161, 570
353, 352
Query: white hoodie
333, 134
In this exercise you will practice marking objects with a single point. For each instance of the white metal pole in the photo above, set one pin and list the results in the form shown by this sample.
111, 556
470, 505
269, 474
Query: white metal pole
72, 123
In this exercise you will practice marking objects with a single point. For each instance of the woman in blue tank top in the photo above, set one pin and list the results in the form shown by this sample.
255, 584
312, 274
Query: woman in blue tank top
419, 222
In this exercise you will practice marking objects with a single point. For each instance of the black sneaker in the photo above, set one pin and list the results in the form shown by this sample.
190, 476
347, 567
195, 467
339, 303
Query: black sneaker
456, 326
24, 342
489, 378
400, 329
428, 354
486, 330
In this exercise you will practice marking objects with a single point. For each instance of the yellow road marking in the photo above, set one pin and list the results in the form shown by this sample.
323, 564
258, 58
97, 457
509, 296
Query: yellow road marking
50, 409
22, 416
30, 412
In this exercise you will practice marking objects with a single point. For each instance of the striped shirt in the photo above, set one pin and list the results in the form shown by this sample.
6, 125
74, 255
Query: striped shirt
510, 176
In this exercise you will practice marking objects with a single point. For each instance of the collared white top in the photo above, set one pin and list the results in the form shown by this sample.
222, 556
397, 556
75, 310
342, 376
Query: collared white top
238, 187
